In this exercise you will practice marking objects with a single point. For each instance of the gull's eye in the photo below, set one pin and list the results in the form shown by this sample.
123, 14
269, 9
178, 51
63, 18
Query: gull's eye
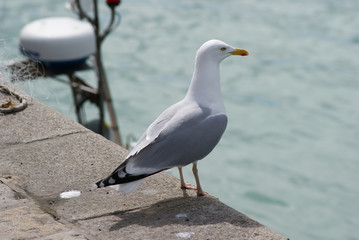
223, 49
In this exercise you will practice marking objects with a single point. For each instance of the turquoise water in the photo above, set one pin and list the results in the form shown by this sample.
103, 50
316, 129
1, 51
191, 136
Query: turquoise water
290, 154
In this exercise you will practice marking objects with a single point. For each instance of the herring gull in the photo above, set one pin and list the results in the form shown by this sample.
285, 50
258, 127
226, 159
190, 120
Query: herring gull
186, 131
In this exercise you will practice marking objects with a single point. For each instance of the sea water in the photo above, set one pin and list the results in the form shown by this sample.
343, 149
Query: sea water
290, 155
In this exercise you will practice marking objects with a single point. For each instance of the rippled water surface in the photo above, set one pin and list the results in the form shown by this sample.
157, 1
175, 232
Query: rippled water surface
290, 154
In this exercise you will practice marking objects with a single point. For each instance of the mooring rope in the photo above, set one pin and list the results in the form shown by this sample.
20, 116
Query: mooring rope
9, 106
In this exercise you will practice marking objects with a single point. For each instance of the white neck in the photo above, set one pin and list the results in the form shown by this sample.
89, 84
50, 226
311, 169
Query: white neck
205, 86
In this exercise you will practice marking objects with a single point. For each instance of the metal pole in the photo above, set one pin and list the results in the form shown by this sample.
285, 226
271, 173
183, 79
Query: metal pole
75, 95
102, 82
103, 90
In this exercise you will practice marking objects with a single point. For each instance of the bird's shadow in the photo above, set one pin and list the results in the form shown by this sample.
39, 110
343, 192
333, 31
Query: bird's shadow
187, 210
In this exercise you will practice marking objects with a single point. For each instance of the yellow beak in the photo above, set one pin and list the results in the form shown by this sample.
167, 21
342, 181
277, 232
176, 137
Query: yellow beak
239, 51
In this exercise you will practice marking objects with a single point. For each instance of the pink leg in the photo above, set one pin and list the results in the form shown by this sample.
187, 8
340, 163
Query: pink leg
185, 185
200, 192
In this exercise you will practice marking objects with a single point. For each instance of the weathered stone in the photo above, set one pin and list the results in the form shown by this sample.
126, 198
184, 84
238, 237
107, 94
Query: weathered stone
43, 153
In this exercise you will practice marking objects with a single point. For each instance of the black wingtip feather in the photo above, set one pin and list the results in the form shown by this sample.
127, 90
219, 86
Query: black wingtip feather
120, 180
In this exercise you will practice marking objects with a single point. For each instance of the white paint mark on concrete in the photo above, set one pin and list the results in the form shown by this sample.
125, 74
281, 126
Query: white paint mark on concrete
185, 235
181, 215
70, 194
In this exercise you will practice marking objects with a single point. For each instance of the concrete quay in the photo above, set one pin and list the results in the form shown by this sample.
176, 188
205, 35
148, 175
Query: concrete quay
43, 153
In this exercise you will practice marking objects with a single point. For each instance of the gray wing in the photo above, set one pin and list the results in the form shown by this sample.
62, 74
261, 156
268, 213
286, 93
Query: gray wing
190, 135
154, 130
179, 136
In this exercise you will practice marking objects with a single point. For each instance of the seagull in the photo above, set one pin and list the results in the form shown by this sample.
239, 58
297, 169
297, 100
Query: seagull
186, 131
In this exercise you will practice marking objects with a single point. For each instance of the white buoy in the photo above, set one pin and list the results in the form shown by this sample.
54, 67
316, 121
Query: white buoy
58, 41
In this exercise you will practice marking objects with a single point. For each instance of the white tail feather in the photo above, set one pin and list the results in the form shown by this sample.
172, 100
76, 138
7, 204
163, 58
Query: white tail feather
127, 188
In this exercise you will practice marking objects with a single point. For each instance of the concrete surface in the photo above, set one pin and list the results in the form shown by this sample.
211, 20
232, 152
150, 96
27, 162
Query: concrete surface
43, 153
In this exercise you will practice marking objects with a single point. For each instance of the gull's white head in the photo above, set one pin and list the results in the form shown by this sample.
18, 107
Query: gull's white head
218, 50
